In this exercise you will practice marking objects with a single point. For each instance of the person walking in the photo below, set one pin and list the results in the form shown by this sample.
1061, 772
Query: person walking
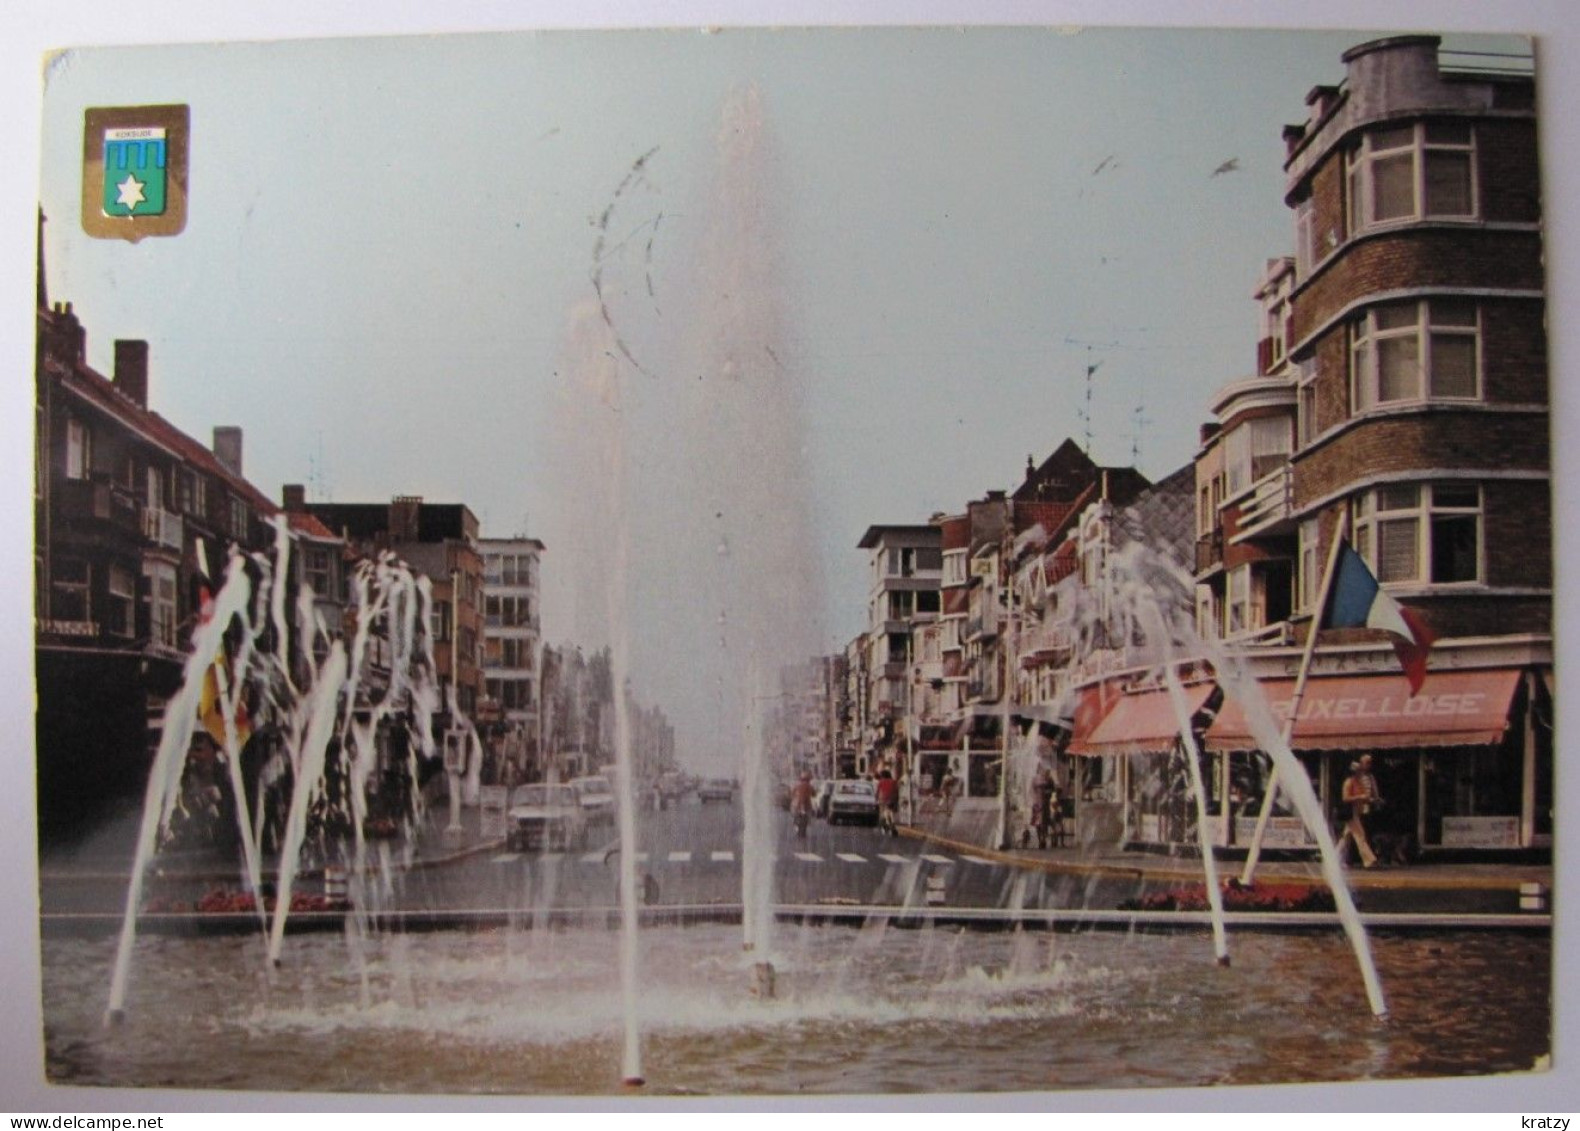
1363, 797
947, 789
888, 803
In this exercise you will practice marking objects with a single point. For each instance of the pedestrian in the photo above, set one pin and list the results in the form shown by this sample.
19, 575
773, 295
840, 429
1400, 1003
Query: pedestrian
1363, 798
1043, 793
948, 788
888, 802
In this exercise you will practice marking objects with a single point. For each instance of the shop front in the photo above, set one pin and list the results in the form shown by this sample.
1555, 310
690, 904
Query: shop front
1133, 780
1463, 764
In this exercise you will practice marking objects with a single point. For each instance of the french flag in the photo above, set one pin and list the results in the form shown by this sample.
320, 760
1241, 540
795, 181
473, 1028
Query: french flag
1358, 601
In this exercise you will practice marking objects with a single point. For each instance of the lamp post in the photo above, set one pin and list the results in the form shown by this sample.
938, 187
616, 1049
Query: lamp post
1007, 692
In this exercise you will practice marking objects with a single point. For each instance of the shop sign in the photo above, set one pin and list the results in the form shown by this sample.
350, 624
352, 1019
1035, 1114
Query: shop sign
1481, 832
1281, 832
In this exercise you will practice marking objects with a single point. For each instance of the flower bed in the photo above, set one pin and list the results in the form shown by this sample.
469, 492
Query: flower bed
226, 901
1237, 897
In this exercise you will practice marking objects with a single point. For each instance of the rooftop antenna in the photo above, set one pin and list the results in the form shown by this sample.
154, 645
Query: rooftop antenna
1086, 413
1138, 422
317, 472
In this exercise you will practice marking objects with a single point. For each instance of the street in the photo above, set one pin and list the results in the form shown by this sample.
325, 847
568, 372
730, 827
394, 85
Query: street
691, 853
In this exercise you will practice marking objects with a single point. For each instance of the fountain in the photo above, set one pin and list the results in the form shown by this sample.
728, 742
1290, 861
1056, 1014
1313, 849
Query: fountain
310, 717
907, 1001
1144, 593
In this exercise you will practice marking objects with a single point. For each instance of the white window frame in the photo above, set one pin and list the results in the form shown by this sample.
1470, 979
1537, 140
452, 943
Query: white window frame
79, 449
1239, 578
1306, 403
1394, 146
162, 616
1431, 329
120, 614
1305, 235
1388, 511
318, 570
1307, 579
954, 567
1251, 441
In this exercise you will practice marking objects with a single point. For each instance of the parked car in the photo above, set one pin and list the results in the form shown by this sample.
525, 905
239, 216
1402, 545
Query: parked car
597, 799
855, 800
545, 817
820, 799
669, 788
716, 789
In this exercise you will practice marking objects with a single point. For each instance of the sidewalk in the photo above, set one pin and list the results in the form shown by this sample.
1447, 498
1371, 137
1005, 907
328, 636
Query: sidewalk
1424, 885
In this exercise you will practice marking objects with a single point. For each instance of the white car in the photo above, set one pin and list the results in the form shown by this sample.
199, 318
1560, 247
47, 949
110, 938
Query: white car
853, 800
597, 799
546, 817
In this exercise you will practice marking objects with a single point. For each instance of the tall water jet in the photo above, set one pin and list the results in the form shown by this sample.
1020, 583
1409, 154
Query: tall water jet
748, 467
1145, 596
596, 539
164, 778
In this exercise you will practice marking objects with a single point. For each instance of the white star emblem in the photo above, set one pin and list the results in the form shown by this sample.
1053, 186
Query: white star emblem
131, 192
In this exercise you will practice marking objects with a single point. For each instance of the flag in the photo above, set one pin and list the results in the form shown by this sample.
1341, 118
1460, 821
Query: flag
1356, 600
211, 712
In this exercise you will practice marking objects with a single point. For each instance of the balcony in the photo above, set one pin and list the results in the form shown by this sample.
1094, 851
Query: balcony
1267, 506
100, 501
163, 528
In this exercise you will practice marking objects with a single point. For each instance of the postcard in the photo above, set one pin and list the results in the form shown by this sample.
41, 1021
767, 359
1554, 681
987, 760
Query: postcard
811, 562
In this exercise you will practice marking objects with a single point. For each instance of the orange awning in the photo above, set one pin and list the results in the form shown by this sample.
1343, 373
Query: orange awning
1140, 722
1369, 712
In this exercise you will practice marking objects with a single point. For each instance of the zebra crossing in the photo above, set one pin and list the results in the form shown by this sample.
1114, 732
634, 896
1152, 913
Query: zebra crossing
605, 856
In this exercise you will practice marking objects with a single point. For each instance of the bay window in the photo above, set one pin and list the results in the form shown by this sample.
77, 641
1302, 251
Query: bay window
1427, 533
1254, 449
1411, 172
1404, 352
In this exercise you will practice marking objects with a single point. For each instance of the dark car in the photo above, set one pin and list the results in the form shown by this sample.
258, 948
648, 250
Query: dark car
853, 801
716, 789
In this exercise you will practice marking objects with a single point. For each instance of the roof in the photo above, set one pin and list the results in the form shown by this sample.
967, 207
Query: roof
303, 523
876, 534
86, 382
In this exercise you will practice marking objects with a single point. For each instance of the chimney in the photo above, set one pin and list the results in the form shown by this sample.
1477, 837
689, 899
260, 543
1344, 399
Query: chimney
293, 498
131, 370
227, 448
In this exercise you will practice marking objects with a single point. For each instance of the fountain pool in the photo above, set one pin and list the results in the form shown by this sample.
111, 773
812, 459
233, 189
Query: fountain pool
933, 1010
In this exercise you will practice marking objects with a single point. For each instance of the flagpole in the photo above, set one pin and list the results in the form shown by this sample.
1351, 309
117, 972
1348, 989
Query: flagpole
1340, 533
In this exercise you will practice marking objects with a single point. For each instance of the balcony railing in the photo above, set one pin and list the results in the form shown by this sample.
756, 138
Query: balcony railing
98, 499
163, 528
1267, 507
